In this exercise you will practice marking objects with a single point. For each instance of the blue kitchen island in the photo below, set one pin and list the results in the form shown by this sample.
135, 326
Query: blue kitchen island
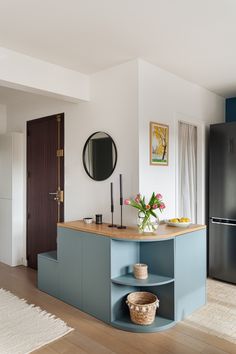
92, 270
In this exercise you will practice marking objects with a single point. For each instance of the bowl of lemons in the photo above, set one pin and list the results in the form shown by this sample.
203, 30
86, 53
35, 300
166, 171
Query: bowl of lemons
179, 222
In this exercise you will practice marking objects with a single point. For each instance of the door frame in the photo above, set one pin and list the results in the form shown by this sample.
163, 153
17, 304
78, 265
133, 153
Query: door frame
201, 164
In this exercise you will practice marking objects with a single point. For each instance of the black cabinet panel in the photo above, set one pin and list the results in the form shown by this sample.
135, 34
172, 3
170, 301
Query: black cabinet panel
222, 252
222, 182
222, 202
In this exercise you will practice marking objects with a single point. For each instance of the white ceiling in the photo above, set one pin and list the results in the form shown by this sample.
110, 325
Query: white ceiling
194, 39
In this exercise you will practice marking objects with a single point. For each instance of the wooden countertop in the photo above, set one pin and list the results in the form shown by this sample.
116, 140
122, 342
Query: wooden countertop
130, 233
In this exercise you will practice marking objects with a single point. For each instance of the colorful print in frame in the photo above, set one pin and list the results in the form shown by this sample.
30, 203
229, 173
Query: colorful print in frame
159, 144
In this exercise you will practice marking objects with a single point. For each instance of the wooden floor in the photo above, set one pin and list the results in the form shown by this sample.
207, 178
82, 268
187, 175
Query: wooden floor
93, 336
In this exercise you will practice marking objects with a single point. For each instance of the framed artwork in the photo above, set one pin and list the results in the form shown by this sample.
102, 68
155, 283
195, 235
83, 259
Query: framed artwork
159, 144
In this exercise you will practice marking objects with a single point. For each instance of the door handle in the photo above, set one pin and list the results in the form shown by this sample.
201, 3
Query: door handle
59, 195
231, 145
223, 221
56, 195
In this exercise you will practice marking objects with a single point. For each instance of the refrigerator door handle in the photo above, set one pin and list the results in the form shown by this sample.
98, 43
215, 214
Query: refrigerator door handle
223, 221
231, 145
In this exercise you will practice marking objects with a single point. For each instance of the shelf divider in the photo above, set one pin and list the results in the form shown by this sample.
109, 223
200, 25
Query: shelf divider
152, 280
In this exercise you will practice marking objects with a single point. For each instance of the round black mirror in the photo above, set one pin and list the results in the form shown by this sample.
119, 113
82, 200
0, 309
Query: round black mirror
99, 156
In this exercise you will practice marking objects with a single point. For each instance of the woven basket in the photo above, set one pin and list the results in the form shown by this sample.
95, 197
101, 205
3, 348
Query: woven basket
140, 271
142, 307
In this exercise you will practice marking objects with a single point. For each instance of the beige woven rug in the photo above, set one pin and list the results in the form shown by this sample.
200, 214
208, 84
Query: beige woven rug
24, 328
218, 316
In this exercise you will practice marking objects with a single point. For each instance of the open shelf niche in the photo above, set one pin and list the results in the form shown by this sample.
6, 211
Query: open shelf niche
159, 256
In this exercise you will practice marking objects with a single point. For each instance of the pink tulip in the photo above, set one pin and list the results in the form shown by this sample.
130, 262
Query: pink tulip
155, 206
127, 202
162, 206
159, 196
137, 199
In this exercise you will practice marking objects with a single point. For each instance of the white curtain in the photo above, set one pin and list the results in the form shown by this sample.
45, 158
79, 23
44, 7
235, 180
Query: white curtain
188, 171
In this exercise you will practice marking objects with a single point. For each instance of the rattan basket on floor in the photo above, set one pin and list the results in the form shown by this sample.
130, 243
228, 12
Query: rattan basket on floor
142, 306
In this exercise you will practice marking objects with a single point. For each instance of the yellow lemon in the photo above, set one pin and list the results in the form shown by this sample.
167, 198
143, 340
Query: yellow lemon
184, 220
175, 220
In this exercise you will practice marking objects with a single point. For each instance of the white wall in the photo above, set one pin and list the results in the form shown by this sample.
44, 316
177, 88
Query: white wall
3, 118
25, 73
166, 98
113, 109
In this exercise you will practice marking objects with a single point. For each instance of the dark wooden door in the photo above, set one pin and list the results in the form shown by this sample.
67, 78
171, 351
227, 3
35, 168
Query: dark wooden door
45, 184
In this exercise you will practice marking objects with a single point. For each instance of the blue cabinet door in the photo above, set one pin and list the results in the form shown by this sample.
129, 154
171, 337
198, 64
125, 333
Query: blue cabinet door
70, 266
48, 276
96, 276
190, 273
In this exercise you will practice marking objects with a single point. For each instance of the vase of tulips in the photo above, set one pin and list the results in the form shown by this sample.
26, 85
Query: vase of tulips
148, 220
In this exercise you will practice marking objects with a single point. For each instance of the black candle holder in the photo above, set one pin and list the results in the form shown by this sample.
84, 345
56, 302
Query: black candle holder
112, 207
112, 212
121, 215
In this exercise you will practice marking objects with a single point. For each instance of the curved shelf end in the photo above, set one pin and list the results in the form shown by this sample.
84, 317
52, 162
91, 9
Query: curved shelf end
160, 324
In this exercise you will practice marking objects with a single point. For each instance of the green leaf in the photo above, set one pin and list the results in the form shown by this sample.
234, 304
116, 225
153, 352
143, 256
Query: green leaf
152, 200
142, 202
153, 214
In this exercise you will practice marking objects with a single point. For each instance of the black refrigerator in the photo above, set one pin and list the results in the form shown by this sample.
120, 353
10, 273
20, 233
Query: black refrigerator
222, 202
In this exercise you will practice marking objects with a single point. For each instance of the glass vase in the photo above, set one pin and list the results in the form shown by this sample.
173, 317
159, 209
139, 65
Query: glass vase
147, 223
